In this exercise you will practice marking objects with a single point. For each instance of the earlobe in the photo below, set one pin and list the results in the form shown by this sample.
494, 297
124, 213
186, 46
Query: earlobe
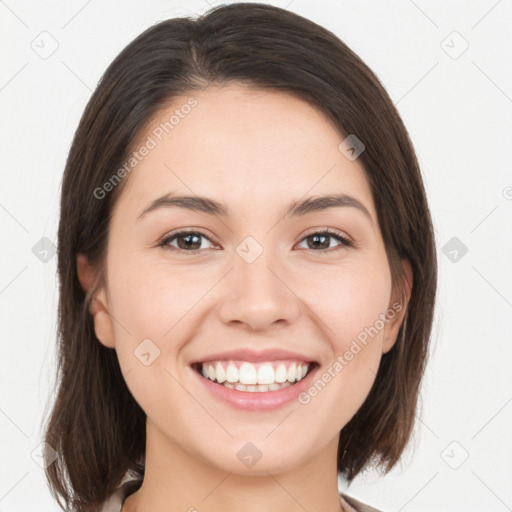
102, 320
400, 308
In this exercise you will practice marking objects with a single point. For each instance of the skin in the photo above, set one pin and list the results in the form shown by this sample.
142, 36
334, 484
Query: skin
256, 152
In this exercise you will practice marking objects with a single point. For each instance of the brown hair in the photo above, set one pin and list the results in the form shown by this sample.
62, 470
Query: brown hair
96, 427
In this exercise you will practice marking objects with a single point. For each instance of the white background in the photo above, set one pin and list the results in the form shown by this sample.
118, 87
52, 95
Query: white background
459, 115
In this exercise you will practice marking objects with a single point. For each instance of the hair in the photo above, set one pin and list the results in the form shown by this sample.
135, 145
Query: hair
96, 427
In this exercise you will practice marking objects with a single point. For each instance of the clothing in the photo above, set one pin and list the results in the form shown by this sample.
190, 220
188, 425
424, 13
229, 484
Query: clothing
129, 484
350, 504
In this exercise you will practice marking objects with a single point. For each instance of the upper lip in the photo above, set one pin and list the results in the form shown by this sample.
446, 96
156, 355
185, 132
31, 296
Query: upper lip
250, 355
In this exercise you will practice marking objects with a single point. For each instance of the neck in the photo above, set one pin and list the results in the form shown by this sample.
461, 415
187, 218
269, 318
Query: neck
175, 479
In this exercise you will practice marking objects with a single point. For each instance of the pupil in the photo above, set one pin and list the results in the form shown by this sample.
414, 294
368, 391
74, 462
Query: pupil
187, 245
316, 237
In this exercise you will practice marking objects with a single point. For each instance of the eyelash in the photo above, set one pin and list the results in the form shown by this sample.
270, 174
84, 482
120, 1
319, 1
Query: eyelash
345, 242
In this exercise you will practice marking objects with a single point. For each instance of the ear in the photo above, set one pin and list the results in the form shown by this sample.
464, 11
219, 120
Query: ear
399, 306
103, 326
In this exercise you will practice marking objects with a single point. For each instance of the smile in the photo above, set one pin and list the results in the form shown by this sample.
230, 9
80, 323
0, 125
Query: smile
254, 377
255, 386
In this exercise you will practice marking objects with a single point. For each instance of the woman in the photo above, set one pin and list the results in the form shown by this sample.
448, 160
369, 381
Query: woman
248, 274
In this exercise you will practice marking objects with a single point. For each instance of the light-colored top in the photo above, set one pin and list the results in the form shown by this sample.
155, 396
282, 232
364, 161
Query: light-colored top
116, 500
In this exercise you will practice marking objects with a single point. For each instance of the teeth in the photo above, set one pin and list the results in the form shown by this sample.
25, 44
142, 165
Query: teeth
266, 374
280, 375
249, 377
302, 369
220, 374
231, 373
292, 373
247, 374
256, 388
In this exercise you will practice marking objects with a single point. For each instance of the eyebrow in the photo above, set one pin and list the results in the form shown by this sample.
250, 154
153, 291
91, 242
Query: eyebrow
295, 209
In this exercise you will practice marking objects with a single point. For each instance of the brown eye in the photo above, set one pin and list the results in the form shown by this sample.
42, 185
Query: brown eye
321, 240
187, 241
190, 241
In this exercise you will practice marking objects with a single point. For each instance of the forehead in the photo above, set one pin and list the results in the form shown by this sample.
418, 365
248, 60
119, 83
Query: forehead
236, 144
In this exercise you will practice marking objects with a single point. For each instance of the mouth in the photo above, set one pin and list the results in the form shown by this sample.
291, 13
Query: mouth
255, 377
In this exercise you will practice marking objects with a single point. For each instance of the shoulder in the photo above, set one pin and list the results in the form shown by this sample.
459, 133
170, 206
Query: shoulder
350, 504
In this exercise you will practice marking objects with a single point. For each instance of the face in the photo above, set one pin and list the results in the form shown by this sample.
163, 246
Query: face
254, 287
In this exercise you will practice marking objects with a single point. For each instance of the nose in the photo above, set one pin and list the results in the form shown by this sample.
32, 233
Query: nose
258, 296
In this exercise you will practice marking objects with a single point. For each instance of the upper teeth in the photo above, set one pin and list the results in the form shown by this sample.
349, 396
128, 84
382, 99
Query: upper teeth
249, 373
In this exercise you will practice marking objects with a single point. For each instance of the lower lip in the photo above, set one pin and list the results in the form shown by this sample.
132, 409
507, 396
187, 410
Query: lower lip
257, 401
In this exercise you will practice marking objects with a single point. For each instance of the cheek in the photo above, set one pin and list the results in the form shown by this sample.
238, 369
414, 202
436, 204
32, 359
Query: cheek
349, 305
351, 302
350, 299
153, 301
152, 310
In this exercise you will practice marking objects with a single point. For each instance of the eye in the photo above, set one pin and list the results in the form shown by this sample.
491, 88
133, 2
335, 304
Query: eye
320, 239
190, 241
186, 240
